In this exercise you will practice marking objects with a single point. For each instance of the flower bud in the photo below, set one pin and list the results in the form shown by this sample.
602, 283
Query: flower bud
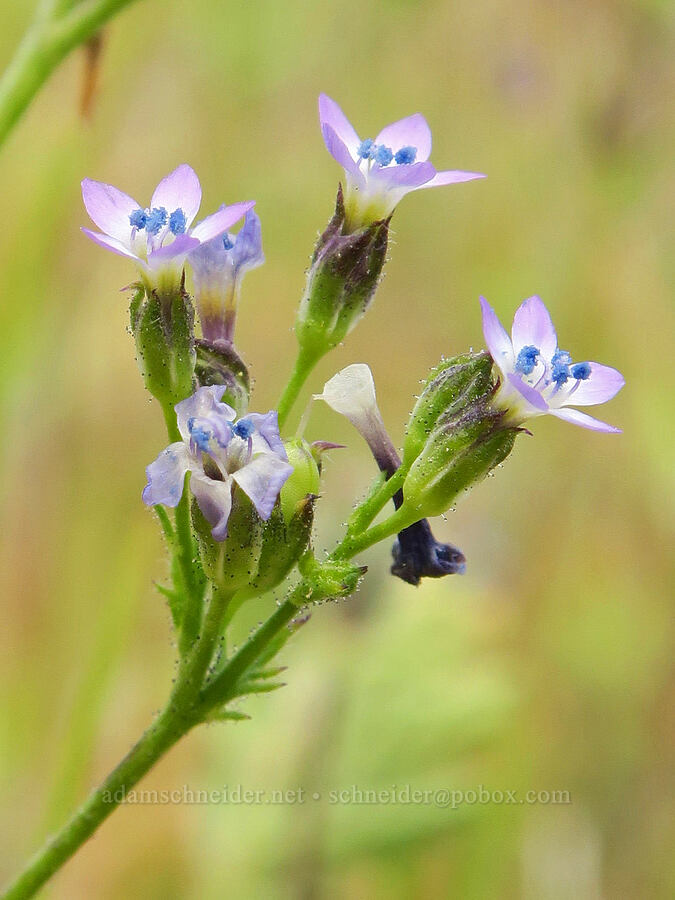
450, 386
233, 562
459, 452
163, 327
330, 579
219, 363
342, 279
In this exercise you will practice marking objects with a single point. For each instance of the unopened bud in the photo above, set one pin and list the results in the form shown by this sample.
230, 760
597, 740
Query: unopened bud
450, 387
460, 452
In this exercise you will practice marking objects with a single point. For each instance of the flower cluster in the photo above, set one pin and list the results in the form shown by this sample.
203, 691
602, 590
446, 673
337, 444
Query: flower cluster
464, 422
220, 453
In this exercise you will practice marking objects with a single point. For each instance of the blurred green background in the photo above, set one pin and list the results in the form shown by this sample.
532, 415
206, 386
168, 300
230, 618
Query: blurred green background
548, 666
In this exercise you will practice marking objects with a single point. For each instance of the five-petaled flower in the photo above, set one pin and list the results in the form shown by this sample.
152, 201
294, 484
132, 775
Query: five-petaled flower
159, 237
220, 452
539, 378
218, 267
380, 172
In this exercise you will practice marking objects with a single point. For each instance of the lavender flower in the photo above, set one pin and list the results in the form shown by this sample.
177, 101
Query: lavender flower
158, 238
218, 266
538, 377
219, 453
380, 172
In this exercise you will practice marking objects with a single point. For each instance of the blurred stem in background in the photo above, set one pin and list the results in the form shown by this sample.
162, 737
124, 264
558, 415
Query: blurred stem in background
57, 28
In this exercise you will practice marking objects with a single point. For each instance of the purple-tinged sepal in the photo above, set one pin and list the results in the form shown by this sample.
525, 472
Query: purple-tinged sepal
537, 377
343, 276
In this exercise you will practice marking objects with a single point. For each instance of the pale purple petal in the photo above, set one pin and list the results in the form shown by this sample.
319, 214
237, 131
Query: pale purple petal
214, 498
267, 427
181, 246
413, 131
579, 418
331, 115
166, 476
532, 326
219, 221
203, 403
247, 252
110, 243
262, 479
602, 384
179, 190
411, 176
340, 152
451, 176
496, 339
532, 396
109, 208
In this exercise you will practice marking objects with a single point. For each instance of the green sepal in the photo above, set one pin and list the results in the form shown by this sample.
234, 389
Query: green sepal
323, 580
233, 563
450, 386
176, 603
459, 453
163, 327
227, 715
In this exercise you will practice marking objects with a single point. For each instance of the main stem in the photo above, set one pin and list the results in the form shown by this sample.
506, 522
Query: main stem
48, 40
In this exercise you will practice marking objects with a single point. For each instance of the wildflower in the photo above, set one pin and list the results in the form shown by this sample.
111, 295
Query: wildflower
218, 266
381, 171
220, 452
538, 377
157, 238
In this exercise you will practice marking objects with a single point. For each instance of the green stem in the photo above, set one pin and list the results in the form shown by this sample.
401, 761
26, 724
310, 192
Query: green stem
364, 514
185, 553
180, 715
48, 40
304, 364
162, 734
355, 543
219, 691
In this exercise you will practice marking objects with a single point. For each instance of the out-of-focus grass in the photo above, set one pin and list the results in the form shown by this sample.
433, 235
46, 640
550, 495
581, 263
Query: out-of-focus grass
546, 667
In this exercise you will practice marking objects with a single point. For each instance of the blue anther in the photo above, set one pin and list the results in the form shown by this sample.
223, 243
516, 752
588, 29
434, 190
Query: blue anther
365, 149
177, 222
228, 243
383, 155
156, 219
561, 358
406, 156
527, 359
244, 429
138, 218
200, 437
581, 371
